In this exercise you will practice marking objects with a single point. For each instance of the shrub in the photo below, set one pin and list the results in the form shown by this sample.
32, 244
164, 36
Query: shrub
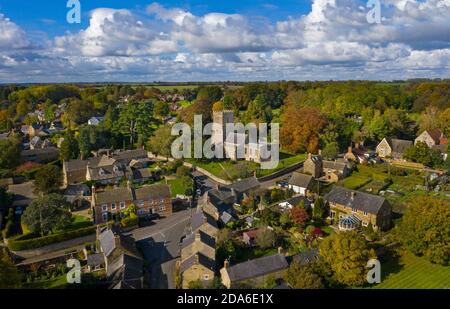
18, 244
129, 221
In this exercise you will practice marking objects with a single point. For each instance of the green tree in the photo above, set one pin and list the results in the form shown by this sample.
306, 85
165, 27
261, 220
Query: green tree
303, 277
69, 147
320, 210
161, 142
136, 121
330, 151
9, 153
10, 277
47, 213
161, 109
421, 153
49, 179
424, 228
346, 254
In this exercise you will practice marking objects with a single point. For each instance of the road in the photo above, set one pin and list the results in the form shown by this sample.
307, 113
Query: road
160, 247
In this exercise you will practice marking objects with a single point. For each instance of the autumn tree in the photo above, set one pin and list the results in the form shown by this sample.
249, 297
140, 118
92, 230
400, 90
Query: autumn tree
303, 277
346, 254
299, 216
301, 128
265, 238
424, 228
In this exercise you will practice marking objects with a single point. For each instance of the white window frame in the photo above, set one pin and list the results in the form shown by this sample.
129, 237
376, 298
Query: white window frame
104, 207
366, 213
105, 216
122, 205
206, 277
365, 223
113, 206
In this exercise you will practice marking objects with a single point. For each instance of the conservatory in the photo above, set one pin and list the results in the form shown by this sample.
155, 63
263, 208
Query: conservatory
349, 223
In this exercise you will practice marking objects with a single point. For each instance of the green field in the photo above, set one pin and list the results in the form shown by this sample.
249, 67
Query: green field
411, 272
179, 185
59, 282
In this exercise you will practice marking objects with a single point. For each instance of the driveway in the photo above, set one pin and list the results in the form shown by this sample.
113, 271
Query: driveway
160, 246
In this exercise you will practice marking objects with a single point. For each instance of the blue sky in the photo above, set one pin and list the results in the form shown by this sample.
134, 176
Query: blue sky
223, 40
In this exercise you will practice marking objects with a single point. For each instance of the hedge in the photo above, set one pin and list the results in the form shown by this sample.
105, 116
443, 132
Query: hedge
16, 244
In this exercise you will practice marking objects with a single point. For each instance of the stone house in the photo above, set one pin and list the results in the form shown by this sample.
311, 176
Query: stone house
393, 148
197, 267
313, 166
432, 138
254, 273
198, 241
147, 199
301, 183
40, 155
358, 208
204, 222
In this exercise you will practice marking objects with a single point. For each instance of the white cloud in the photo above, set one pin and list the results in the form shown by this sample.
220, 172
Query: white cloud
333, 41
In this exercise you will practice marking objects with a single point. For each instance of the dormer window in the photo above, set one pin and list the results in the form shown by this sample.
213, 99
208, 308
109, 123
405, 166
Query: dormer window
115, 168
101, 172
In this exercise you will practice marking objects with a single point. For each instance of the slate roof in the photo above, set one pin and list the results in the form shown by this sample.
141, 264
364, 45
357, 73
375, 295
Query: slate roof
204, 238
40, 151
142, 173
23, 193
202, 260
121, 194
200, 218
246, 184
398, 145
304, 257
128, 155
257, 267
339, 166
355, 199
156, 191
95, 259
300, 180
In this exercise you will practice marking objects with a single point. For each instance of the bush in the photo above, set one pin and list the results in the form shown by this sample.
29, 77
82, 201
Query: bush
18, 244
129, 221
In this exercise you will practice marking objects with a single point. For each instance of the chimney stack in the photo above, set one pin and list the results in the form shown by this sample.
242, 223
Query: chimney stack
197, 236
197, 258
226, 263
280, 250
353, 195
309, 155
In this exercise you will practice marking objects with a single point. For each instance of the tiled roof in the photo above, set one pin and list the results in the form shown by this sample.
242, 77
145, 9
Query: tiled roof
355, 199
198, 258
156, 191
300, 180
257, 267
203, 237
246, 184
398, 145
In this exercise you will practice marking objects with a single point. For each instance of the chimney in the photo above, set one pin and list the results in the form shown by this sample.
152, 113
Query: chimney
197, 258
350, 149
353, 195
357, 145
320, 152
309, 155
226, 263
197, 236
280, 250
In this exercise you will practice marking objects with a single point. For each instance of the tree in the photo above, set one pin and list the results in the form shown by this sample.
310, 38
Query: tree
320, 210
265, 238
136, 121
10, 277
48, 179
47, 213
93, 138
301, 128
161, 109
303, 277
421, 153
299, 216
330, 151
346, 255
9, 153
161, 142
424, 228
69, 147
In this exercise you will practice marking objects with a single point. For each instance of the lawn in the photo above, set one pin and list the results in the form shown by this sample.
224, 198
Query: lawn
412, 272
355, 181
244, 254
286, 160
179, 185
58, 282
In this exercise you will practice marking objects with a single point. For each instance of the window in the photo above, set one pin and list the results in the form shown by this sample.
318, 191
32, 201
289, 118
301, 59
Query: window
141, 203
365, 223
366, 213
162, 208
113, 206
122, 205
105, 207
332, 214
205, 277
105, 216
354, 210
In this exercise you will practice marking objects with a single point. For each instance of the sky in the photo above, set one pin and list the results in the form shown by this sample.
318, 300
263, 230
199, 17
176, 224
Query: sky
246, 40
